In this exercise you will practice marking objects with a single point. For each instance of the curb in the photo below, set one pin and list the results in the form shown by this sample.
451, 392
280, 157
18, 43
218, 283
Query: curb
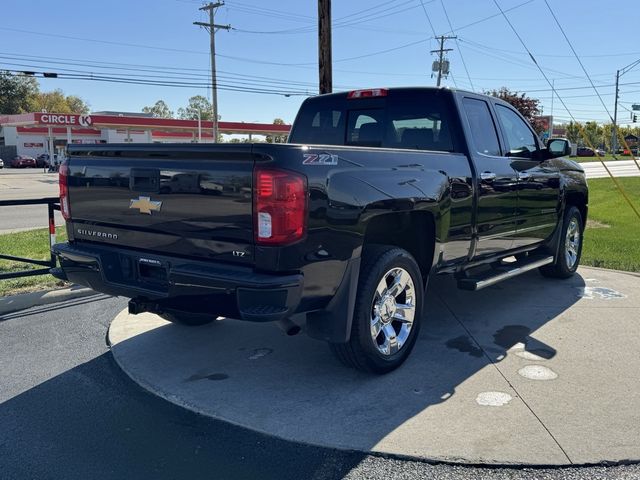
13, 303
625, 272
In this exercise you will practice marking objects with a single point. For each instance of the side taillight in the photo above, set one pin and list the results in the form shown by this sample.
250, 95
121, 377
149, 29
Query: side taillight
63, 176
279, 206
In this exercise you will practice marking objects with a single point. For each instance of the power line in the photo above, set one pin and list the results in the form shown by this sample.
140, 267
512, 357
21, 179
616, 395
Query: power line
212, 28
533, 59
577, 58
160, 83
250, 60
362, 16
433, 30
464, 64
42, 63
476, 22
554, 55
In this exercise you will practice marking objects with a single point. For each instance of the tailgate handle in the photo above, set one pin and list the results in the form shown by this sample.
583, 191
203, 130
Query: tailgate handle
144, 180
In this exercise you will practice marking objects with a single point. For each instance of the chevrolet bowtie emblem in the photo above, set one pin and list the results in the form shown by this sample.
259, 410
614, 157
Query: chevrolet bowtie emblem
145, 205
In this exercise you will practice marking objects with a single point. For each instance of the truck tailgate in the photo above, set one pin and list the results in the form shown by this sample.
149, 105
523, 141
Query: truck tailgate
190, 202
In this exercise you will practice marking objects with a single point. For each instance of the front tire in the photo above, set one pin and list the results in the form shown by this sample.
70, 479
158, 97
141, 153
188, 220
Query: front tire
387, 314
570, 249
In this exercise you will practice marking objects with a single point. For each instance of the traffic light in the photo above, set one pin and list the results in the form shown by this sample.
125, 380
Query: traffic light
635, 118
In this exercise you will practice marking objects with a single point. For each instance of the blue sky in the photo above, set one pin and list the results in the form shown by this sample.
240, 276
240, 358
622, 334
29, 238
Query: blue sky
274, 47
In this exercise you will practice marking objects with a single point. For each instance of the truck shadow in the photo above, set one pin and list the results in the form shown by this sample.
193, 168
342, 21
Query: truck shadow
92, 422
254, 376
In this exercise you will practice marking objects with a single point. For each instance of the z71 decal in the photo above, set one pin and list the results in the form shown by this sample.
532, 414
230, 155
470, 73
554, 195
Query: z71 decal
319, 159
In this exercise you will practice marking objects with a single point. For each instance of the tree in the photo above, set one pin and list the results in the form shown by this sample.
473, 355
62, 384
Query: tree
592, 134
77, 105
159, 110
277, 138
57, 102
16, 93
573, 131
197, 103
528, 107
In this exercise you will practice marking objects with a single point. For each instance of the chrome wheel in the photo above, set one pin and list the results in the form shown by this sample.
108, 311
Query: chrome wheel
392, 311
572, 243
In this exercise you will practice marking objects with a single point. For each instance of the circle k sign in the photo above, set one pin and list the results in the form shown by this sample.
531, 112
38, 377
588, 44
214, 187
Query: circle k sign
71, 120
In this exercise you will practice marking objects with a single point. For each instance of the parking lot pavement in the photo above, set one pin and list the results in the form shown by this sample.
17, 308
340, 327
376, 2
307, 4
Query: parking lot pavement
67, 411
24, 184
532, 371
27, 183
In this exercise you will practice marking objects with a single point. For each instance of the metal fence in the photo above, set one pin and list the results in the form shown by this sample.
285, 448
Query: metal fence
52, 204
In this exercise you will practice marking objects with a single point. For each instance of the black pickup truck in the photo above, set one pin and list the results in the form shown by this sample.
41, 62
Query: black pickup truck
337, 231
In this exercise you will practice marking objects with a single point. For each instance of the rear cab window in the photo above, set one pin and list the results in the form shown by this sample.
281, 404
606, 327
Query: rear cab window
406, 119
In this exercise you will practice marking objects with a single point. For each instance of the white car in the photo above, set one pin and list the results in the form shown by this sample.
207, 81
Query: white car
1, 163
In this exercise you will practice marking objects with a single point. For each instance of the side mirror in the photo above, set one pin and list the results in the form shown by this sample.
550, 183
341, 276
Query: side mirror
558, 147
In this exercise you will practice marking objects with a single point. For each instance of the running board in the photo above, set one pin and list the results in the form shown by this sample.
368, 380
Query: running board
503, 273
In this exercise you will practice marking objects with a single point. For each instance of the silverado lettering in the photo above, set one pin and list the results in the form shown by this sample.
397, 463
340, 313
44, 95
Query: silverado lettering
94, 233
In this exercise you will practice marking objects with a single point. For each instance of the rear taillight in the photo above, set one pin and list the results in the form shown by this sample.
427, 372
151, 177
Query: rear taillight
279, 206
63, 175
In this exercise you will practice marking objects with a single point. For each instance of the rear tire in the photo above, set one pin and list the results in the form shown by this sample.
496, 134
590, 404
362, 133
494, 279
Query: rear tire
387, 313
570, 249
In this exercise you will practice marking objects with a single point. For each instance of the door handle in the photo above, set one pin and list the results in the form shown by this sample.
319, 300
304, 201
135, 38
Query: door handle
487, 176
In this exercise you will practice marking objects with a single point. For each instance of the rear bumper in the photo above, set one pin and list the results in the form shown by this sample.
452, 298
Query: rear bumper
174, 284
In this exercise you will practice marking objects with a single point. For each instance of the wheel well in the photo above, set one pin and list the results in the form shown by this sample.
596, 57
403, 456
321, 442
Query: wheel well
413, 231
579, 200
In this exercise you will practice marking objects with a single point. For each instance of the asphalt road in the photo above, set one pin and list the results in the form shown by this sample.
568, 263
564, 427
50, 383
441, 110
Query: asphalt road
67, 411
619, 168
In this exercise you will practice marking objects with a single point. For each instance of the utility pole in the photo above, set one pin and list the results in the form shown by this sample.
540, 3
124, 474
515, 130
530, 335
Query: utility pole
441, 51
553, 93
324, 46
212, 28
614, 127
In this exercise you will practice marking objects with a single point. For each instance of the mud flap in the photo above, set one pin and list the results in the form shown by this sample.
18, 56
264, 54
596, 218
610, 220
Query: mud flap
333, 324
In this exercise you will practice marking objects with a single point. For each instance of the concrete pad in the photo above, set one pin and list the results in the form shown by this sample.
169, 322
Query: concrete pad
458, 398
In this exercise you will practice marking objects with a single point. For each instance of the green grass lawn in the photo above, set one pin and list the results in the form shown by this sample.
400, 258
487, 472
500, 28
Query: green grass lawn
30, 244
612, 237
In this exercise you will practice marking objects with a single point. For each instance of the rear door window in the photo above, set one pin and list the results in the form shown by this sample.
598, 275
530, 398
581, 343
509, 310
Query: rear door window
483, 130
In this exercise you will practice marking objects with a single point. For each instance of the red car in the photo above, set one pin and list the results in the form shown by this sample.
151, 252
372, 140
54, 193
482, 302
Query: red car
23, 161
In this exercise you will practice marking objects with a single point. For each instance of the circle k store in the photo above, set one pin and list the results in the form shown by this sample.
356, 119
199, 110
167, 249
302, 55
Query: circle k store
36, 133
